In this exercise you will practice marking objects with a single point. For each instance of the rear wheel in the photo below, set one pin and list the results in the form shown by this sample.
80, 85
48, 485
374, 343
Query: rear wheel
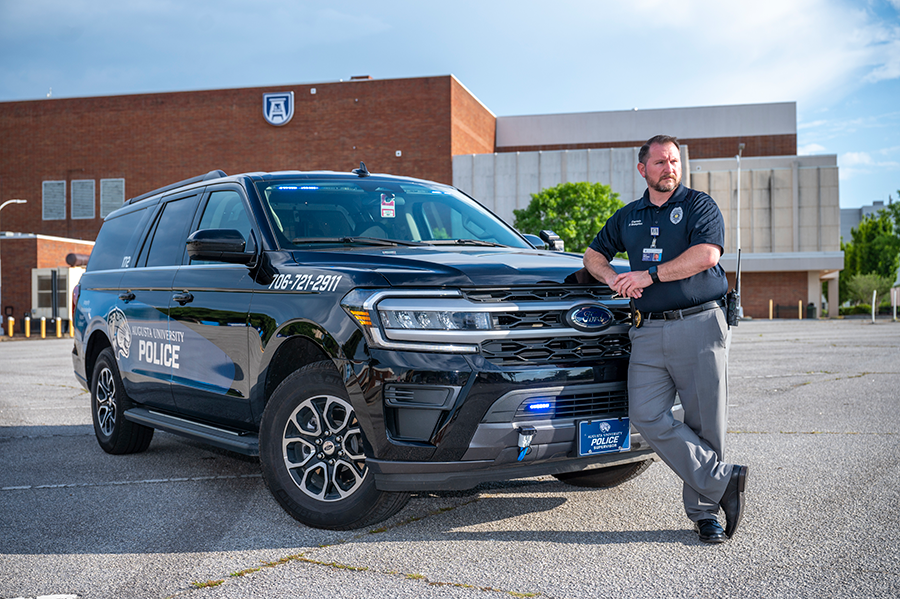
114, 433
602, 478
311, 452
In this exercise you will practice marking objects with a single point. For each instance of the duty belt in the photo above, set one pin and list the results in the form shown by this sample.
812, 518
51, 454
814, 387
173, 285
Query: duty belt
679, 314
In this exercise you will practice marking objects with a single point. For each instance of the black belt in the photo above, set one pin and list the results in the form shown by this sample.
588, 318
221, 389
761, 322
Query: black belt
679, 314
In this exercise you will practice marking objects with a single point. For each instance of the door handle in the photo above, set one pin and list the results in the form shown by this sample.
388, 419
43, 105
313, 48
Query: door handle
183, 298
127, 296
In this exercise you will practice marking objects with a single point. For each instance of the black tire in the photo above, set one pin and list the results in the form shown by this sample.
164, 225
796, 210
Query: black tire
311, 453
115, 434
604, 478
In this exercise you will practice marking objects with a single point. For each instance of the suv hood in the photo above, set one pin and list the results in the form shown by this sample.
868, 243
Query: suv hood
456, 266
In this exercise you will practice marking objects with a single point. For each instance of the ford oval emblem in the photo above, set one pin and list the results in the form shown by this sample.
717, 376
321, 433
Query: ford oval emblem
590, 318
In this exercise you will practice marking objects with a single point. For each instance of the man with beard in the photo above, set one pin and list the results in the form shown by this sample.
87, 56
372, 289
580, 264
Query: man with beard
674, 237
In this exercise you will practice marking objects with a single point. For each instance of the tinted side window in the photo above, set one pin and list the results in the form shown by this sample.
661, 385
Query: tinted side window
225, 210
114, 240
167, 246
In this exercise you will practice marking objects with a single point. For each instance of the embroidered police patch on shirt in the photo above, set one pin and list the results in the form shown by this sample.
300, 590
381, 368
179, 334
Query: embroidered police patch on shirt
676, 215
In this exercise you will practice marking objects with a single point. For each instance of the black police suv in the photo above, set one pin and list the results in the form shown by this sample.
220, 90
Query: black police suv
367, 336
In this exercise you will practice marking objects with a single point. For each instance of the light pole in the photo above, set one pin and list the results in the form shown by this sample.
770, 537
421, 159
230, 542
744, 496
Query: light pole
737, 274
2, 206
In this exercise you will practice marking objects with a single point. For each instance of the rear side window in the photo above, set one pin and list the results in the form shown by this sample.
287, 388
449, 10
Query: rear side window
116, 238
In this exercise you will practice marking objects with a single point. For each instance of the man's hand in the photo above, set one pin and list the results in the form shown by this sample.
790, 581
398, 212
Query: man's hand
631, 284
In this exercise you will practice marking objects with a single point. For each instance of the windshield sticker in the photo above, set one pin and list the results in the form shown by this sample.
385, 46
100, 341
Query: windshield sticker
387, 206
306, 282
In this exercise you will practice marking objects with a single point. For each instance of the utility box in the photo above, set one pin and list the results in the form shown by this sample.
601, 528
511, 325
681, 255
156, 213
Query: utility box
51, 291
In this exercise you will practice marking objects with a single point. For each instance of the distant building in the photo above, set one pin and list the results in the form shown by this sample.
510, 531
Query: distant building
851, 217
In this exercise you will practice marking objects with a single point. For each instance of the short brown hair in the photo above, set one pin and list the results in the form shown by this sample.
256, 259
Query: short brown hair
656, 139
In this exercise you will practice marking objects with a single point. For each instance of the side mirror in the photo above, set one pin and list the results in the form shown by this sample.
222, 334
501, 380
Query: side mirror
553, 241
219, 245
535, 241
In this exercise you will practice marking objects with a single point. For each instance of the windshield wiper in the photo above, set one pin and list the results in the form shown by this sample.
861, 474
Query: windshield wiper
467, 242
358, 240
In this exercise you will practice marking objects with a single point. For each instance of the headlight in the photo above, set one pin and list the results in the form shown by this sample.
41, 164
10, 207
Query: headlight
441, 321
406, 327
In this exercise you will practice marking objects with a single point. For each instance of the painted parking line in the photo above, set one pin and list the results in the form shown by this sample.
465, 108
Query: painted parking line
152, 481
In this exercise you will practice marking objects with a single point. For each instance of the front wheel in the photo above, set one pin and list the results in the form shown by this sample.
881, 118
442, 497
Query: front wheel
603, 478
311, 453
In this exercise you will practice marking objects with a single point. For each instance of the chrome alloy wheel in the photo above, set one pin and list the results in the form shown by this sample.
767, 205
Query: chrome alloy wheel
106, 401
322, 448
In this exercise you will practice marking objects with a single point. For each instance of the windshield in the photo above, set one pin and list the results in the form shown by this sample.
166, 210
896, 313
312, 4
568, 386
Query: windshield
311, 213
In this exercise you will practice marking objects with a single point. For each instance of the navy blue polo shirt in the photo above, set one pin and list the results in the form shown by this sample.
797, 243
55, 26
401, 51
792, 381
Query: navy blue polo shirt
688, 218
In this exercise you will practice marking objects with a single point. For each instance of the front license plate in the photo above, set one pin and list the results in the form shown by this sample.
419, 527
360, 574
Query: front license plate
604, 436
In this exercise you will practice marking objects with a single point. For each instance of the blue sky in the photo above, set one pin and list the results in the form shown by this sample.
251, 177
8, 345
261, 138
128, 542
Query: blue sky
838, 59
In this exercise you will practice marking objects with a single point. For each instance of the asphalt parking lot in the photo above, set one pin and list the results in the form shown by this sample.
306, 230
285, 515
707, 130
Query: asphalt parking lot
814, 411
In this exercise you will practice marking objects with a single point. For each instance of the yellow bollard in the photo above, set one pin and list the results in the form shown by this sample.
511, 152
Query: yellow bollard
10, 325
800, 310
71, 328
771, 309
27, 327
43, 327
58, 328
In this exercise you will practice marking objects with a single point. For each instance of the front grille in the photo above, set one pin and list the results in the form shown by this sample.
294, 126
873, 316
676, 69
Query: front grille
555, 349
527, 320
536, 294
578, 406
536, 318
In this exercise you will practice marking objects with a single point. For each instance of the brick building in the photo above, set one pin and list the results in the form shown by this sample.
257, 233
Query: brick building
75, 160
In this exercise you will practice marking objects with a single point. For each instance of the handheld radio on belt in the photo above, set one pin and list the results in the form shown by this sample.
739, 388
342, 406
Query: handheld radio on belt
733, 297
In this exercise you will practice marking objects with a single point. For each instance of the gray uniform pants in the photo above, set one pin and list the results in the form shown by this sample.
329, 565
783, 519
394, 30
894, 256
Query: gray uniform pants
690, 356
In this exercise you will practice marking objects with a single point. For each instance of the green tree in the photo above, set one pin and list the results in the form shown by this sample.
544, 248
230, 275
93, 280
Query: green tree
862, 286
874, 249
574, 211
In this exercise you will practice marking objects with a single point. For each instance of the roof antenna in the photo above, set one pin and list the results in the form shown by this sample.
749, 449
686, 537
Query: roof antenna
362, 171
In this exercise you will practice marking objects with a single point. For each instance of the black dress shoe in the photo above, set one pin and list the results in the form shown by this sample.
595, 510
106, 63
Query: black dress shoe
710, 531
732, 502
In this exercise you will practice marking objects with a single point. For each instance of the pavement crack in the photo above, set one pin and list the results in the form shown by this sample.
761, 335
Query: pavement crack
307, 558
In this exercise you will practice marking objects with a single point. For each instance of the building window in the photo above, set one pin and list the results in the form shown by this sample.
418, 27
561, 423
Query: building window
53, 200
83, 199
112, 195
45, 290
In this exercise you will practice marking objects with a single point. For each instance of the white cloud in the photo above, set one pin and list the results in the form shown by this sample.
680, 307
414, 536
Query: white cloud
810, 149
856, 164
851, 159
811, 51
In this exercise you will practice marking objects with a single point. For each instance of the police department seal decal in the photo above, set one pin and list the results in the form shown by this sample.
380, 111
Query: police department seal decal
676, 215
119, 332
278, 108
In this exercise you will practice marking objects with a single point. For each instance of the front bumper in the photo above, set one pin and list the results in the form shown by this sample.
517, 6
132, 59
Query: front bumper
446, 423
462, 475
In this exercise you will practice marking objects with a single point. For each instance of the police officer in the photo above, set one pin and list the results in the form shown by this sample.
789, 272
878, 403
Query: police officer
674, 237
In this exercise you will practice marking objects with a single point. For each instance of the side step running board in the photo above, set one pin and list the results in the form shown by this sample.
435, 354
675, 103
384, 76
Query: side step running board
247, 444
